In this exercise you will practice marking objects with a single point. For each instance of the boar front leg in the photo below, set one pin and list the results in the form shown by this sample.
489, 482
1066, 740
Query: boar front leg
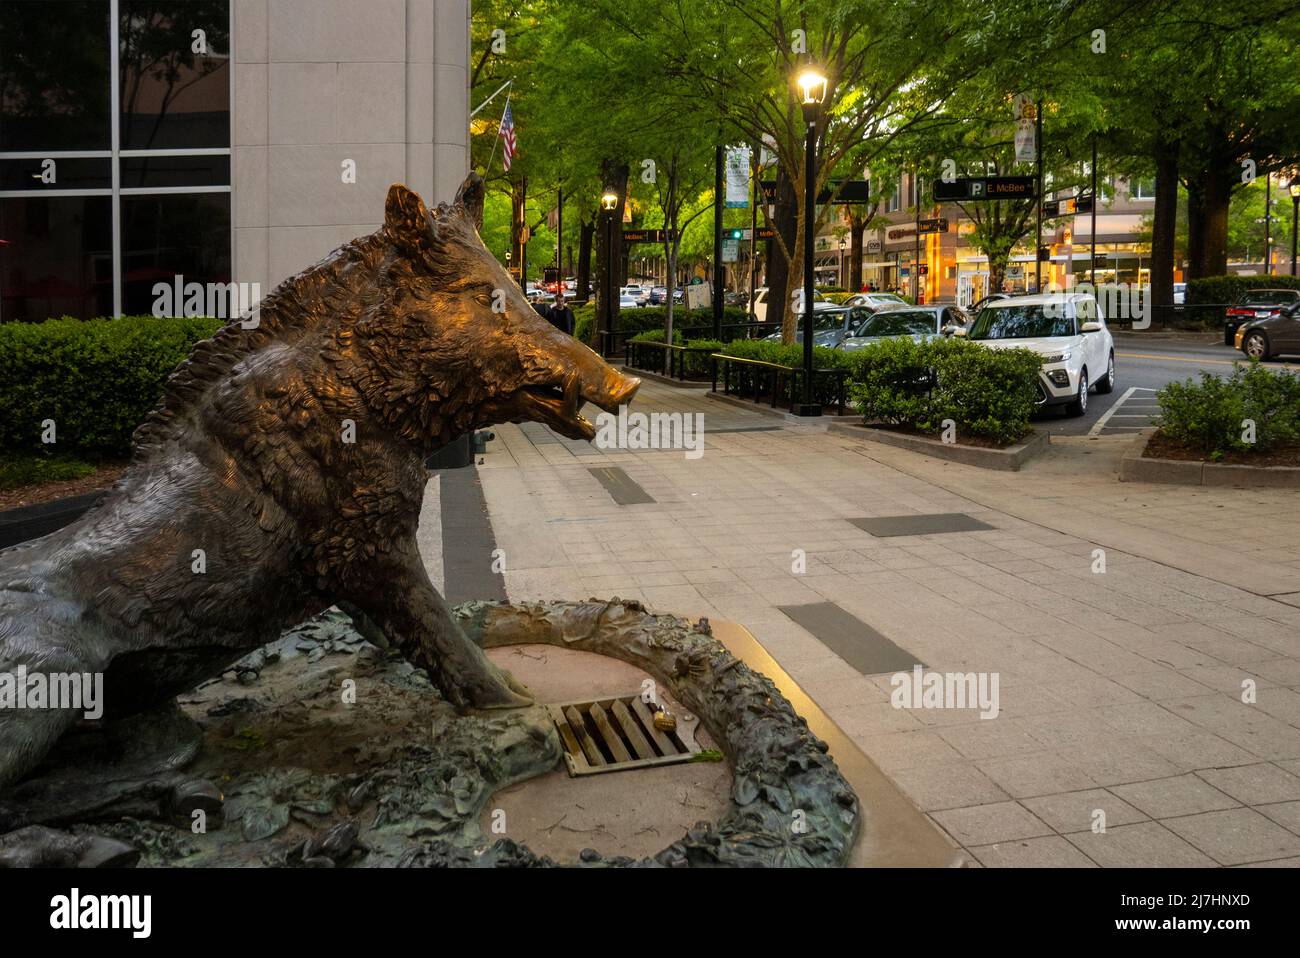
400, 601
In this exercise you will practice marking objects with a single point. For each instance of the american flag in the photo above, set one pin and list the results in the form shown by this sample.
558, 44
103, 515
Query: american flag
510, 145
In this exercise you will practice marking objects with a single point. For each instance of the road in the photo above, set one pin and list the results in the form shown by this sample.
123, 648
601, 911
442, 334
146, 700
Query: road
1143, 365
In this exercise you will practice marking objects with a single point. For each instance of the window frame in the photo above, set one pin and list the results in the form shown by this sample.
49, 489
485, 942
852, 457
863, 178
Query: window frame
116, 191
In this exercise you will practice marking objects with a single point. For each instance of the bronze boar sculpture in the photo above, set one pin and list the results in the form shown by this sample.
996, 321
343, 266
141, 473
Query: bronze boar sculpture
283, 472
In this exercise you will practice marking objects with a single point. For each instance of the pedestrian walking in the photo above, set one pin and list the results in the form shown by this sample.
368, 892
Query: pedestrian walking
561, 315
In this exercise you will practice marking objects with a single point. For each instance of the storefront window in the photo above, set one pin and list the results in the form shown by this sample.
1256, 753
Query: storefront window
100, 199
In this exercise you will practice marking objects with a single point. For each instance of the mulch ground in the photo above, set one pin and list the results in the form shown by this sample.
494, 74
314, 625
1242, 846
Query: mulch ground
101, 478
1163, 447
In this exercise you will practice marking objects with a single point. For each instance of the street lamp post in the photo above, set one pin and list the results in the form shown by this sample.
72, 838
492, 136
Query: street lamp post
1295, 214
844, 276
812, 86
609, 203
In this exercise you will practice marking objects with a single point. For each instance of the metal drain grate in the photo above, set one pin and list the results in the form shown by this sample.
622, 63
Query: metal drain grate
609, 735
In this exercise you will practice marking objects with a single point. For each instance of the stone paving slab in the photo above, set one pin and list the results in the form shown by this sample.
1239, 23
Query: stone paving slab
1125, 622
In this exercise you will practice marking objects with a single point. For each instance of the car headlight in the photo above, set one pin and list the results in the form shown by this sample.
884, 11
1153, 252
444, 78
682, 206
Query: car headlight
1057, 357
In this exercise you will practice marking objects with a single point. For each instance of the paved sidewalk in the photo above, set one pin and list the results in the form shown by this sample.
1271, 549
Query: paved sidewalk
1120, 692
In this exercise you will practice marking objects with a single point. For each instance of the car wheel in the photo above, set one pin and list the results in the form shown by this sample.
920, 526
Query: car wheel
1255, 345
1080, 404
1107, 383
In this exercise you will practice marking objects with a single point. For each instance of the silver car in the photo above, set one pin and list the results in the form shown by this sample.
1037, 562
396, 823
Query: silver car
832, 325
919, 322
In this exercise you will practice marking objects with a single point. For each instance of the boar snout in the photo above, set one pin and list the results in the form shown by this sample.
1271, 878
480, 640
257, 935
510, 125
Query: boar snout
572, 374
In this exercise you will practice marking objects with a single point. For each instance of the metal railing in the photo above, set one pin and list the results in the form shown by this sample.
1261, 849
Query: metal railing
641, 354
776, 374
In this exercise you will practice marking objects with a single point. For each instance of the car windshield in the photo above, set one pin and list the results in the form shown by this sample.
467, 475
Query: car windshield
828, 320
1269, 297
888, 298
899, 322
1019, 322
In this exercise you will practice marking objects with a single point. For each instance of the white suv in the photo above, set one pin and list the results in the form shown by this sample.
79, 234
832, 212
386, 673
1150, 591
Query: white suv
1067, 329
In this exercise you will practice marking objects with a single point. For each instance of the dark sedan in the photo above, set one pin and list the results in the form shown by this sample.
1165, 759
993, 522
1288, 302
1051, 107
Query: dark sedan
1254, 305
1275, 335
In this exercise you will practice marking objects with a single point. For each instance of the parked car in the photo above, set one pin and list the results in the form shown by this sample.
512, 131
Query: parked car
1067, 329
658, 295
1277, 335
876, 301
627, 301
759, 308
1256, 304
919, 322
831, 325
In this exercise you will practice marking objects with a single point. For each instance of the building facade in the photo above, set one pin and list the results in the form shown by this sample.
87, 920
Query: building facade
947, 267
222, 141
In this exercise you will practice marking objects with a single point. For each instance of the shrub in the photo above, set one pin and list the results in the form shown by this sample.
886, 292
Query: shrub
1215, 415
1228, 289
30, 469
772, 351
633, 322
987, 393
96, 379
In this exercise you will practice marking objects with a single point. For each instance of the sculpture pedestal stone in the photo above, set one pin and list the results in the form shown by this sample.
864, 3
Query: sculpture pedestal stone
333, 752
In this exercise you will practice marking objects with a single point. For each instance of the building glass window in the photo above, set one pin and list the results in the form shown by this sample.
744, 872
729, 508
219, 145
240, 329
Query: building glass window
114, 152
1143, 189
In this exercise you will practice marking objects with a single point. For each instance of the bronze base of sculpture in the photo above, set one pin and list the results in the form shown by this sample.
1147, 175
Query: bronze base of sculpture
280, 764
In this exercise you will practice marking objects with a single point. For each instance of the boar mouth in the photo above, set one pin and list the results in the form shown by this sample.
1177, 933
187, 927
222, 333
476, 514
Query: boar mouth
557, 405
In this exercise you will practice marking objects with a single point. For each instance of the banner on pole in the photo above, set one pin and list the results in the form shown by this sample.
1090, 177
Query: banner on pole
1026, 142
737, 170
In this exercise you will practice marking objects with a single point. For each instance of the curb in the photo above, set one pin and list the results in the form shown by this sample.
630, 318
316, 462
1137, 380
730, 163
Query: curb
739, 403
1006, 460
32, 522
1137, 468
662, 379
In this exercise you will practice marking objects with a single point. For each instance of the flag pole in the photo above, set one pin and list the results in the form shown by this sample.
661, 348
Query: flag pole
492, 156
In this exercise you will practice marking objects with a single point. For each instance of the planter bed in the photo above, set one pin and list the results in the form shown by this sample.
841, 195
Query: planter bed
1153, 458
971, 451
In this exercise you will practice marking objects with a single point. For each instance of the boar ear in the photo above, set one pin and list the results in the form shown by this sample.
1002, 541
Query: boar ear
470, 198
406, 220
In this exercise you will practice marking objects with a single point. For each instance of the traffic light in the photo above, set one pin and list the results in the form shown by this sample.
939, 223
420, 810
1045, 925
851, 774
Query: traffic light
735, 234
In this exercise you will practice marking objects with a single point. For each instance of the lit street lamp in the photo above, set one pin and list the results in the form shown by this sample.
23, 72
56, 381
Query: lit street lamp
609, 203
812, 86
1295, 212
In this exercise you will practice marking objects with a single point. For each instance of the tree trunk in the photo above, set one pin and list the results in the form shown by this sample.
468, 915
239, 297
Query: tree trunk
1214, 237
998, 270
1195, 227
785, 222
586, 236
1164, 223
857, 229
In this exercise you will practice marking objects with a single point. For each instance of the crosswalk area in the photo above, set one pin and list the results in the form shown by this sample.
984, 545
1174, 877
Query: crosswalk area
1136, 409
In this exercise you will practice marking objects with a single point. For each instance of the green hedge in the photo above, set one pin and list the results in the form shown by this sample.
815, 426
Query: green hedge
634, 321
771, 351
1228, 289
97, 379
988, 393
1213, 415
